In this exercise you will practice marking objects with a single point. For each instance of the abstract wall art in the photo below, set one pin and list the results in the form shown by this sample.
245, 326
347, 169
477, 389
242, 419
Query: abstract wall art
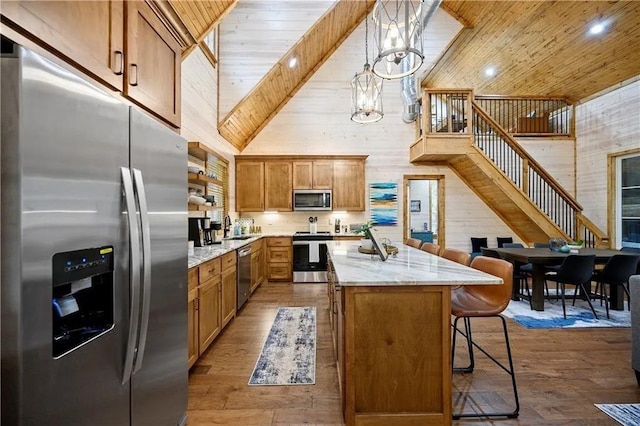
383, 203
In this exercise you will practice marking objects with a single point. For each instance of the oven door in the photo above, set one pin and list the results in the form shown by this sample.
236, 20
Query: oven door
309, 261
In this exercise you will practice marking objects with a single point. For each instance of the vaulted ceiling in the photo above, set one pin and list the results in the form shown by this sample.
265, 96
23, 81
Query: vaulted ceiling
537, 48
541, 47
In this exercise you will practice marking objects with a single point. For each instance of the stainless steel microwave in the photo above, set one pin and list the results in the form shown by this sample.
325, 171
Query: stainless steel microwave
311, 199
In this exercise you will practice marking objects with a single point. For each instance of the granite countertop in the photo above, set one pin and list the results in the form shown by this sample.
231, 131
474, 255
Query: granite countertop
202, 254
409, 267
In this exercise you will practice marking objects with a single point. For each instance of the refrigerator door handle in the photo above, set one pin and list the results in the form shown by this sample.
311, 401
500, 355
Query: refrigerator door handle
146, 267
134, 272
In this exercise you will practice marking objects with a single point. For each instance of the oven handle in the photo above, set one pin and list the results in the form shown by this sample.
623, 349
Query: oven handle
306, 243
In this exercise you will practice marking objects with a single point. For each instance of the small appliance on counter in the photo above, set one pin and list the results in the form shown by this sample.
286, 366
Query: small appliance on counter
202, 231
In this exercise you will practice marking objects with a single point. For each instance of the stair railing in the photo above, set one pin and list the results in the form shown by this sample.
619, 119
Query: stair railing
528, 175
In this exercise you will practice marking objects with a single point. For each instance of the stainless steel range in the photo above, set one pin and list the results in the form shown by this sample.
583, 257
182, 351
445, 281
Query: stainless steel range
310, 257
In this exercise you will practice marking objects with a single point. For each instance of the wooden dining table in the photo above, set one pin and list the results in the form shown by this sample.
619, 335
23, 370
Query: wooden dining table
540, 258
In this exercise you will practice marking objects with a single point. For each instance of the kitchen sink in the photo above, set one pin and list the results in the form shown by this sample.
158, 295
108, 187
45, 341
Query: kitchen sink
240, 237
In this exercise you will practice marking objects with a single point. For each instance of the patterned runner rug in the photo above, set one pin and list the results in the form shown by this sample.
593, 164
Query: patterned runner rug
288, 355
625, 414
579, 316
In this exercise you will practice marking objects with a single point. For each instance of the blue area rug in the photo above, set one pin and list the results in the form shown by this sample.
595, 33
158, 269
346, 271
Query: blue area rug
288, 355
625, 414
577, 316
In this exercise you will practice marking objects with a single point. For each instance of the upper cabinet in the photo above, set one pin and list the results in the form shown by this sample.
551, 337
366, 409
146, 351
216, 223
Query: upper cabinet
153, 63
277, 190
348, 185
125, 46
313, 174
90, 33
249, 186
267, 182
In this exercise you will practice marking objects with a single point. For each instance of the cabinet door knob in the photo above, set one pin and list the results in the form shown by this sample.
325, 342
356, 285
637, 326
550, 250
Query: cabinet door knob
134, 82
118, 69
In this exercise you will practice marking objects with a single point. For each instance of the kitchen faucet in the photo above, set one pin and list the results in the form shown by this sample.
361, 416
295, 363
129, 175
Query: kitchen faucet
227, 226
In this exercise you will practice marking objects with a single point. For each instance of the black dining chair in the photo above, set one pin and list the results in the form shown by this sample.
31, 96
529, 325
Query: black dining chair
521, 275
615, 273
504, 240
575, 270
632, 250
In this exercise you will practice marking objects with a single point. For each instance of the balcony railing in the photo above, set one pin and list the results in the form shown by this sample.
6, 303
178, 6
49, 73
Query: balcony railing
454, 111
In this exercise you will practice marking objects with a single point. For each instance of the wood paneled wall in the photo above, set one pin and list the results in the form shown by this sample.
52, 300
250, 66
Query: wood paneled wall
316, 121
604, 125
199, 108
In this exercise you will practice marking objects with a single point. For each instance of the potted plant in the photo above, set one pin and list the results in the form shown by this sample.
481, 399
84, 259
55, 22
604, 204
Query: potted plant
365, 242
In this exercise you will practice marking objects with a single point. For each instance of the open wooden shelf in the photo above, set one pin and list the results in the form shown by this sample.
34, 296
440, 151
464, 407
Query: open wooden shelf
201, 151
202, 179
202, 208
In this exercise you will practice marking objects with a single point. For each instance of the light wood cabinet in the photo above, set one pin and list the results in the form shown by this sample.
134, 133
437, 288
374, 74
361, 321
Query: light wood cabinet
89, 33
279, 259
348, 185
153, 63
278, 183
209, 321
123, 45
250, 186
257, 264
229, 287
266, 182
192, 326
313, 174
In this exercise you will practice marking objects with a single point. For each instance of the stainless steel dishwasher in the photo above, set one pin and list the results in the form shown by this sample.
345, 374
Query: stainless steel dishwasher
244, 275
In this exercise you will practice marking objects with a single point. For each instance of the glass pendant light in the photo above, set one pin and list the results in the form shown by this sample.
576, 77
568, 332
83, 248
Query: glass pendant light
398, 37
366, 90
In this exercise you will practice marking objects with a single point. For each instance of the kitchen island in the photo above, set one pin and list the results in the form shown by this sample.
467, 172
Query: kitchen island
391, 328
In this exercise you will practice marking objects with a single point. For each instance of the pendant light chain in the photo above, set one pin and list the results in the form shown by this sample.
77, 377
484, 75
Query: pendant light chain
366, 34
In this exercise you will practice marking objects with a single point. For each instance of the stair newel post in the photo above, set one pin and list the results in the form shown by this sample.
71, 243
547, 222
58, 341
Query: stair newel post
426, 115
470, 99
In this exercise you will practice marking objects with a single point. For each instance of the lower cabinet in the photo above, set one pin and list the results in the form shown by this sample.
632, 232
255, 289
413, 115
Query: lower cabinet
211, 302
279, 259
229, 287
257, 264
209, 321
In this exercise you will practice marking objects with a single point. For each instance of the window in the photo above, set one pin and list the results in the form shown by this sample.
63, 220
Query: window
210, 46
628, 201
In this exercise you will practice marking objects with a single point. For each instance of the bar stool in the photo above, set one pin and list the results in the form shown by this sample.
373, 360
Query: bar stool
413, 242
431, 248
475, 301
457, 256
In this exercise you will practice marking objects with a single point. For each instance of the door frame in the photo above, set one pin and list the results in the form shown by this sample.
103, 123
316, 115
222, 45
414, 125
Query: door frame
405, 213
612, 193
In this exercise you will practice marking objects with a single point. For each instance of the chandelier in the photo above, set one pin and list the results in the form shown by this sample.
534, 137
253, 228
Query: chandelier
366, 90
398, 37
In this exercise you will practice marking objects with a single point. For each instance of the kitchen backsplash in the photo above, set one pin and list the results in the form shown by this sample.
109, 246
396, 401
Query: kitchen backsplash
299, 221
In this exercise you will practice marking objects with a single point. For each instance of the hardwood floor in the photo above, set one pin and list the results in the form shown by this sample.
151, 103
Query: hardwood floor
561, 373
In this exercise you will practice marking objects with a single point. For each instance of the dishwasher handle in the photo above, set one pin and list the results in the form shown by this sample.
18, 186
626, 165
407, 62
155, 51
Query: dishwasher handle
244, 252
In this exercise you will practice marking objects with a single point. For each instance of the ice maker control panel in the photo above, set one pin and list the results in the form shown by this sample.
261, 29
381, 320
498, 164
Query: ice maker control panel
82, 297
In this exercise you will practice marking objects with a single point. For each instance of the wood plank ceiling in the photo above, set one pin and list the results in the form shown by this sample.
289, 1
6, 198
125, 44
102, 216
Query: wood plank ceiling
281, 83
200, 16
540, 48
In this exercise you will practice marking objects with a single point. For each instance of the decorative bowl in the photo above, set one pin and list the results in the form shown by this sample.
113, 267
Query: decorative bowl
194, 169
194, 199
575, 246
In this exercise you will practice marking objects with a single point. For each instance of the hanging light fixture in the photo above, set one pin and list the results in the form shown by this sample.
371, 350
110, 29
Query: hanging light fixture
398, 36
366, 90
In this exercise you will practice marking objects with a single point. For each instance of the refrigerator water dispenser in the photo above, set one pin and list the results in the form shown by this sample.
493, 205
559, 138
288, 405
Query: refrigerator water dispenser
82, 297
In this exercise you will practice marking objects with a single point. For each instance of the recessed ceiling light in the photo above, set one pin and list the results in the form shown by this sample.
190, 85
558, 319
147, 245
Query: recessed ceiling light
490, 71
292, 62
596, 28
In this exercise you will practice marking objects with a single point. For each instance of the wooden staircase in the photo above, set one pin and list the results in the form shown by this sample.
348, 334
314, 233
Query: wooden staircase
507, 179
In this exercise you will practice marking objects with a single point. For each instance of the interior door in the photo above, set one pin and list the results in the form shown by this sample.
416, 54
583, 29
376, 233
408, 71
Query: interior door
159, 388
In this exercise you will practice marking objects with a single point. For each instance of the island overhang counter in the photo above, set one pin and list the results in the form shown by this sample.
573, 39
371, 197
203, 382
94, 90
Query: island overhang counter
391, 329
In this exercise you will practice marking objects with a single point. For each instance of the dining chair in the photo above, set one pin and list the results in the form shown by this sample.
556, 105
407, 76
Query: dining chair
431, 248
484, 301
413, 242
575, 270
476, 246
523, 273
615, 273
504, 240
457, 256
632, 250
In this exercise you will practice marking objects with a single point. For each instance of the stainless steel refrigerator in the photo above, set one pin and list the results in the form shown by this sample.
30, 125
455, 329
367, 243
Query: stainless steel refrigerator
93, 254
